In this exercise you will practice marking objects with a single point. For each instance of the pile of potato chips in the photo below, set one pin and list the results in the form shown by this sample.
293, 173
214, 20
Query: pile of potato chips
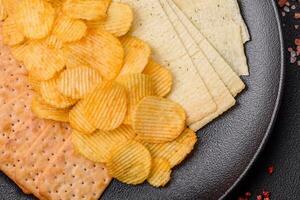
86, 70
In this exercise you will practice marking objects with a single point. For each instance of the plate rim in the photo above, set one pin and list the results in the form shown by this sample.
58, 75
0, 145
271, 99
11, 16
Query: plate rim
276, 107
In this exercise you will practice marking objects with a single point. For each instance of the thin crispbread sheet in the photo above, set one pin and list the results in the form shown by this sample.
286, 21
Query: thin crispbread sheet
71, 176
210, 17
216, 87
152, 25
225, 72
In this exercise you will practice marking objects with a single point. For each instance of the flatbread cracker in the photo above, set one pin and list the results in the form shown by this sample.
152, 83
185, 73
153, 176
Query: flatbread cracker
225, 72
223, 32
188, 89
216, 87
71, 176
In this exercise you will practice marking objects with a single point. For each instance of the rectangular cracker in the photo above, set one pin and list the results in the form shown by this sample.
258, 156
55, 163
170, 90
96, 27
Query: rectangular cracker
211, 18
225, 72
152, 25
216, 87
71, 176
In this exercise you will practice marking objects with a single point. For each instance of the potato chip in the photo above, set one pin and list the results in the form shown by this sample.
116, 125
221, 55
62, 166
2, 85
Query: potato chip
34, 83
160, 173
3, 12
176, 151
43, 62
129, 162
45, 111
98, 145
19, 51
138, 87
56, 3
53, 42
137, 53
10, 6
11, 33
78, 121
77, 82
102, 51
35, 18
118, 22
161, 77
53, 97
158, 120
87, 9
72, 60
106, 106
69, 30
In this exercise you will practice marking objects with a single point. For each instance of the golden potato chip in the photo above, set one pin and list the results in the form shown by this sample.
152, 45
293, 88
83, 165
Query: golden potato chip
78, 121
35, 18
43, 62
42, 110
160, 173
56, 3
69, 30
10, 6
129, 162
52, 96
176, 151
34, 83
137, 53
98, 145
77, 82
3, 12
11, 33
101, 51
118, 21
138, 86
106, 106
158, 120
19, 51
72, 60
53, 42
161, 77
87, 9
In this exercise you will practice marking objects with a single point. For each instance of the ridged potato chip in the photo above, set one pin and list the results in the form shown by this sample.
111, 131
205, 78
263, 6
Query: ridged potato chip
35, 18
106, 106
53, 42
176, 151
137, 53
53, 97
87, 9
78, 120
73, 60
160, 173
56, 3
98, 145
158, 120
129, 162
118, 22
11, 33
69, 30
161, 77
19, 51
102, 51
3, 12
138, 86
34, 83
10, 6
77, 82
42, 110
43, 62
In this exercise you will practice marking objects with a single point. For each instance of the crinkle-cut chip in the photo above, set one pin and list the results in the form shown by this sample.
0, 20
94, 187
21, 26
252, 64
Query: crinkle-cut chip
158, 120
44, 111
129, 162
118, 22
19, 51
176, 151
56, 3
160, 173
137, 53
53, 42
72, 60
97, 146
101, 51
69, 30
10, 6
53, 97
11, 33
161, 77
87, 9
3, 12
138, 86
78, 82
43, 62
106, 106
34, 83
35, 18
78, 121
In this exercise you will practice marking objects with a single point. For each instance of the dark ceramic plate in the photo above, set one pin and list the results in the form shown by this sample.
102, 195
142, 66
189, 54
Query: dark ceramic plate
229, 145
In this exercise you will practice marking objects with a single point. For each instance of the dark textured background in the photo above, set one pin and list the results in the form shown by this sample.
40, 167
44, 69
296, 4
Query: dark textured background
283, 147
